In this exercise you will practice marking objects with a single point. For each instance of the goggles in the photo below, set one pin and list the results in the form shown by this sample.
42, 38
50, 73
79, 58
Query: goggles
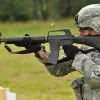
82, 29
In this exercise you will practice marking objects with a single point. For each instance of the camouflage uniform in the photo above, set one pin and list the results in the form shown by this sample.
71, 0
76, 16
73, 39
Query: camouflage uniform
87, 87
89, 65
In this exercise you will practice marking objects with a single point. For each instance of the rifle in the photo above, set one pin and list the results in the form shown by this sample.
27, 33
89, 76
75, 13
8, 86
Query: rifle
55, 41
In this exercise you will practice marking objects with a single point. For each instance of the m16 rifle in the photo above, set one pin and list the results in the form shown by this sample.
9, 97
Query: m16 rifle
55, 41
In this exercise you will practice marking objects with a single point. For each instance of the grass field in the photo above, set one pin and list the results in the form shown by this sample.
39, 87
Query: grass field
27, 77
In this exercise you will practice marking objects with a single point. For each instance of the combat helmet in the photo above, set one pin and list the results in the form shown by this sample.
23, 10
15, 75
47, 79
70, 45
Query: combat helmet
89, 16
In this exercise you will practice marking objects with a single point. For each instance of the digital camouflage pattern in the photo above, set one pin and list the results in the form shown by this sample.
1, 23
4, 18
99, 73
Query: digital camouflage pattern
89, 16
89, 65
60, 69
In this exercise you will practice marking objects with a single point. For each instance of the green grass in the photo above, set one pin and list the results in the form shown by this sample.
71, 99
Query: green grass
27, 77
35, 27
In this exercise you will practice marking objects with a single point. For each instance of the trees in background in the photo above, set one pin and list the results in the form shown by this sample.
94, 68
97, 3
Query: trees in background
22, 10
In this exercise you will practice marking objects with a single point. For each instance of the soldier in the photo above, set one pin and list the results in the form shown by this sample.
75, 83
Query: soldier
87, 62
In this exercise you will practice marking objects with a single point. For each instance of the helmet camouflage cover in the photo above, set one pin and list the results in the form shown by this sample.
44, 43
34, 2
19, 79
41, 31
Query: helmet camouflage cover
89, 16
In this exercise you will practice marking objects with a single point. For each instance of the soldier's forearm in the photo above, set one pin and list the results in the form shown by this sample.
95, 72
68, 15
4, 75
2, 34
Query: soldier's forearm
62, 68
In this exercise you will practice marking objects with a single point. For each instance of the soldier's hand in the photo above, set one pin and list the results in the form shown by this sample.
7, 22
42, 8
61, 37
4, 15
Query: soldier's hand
40, 53
36, 48
71, 51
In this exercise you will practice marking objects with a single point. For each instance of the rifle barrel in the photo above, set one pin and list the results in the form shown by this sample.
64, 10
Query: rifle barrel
40, 39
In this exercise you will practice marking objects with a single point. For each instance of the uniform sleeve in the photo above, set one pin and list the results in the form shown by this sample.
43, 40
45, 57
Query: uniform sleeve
89, 68
83, 63
85, 47
61, 69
